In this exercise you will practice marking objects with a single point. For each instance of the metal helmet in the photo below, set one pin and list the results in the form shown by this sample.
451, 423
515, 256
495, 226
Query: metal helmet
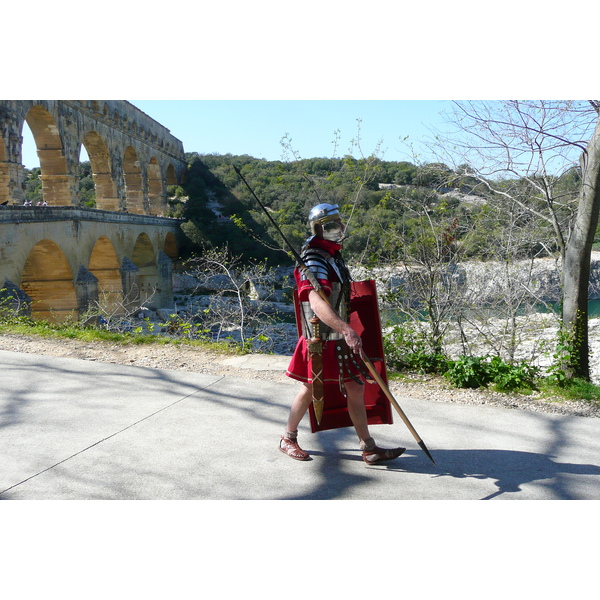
322, 213
328, 216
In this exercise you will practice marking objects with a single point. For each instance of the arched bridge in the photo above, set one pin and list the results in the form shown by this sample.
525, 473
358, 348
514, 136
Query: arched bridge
56, 259
133, 157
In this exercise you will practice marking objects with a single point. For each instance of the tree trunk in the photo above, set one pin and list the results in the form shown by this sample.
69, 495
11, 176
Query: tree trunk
576, 272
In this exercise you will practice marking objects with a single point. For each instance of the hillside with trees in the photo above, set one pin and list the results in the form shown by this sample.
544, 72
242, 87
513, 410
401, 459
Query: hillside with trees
395, 210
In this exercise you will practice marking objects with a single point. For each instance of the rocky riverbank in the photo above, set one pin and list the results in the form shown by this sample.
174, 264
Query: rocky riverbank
532, 338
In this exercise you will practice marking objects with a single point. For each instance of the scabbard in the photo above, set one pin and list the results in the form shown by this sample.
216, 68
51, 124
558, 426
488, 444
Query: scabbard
315, 349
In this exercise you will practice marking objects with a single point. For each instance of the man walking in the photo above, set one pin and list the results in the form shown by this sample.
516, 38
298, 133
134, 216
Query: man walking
321, 254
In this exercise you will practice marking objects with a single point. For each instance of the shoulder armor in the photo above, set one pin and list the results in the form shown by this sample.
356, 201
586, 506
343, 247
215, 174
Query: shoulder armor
317, 264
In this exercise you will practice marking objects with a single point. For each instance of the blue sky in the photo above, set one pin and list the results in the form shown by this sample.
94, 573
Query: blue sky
256, 127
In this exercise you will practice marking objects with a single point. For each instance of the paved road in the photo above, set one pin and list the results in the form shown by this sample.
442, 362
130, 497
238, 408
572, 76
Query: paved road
75, 429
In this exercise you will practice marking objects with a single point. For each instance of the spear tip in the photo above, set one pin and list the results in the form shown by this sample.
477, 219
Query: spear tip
424, 448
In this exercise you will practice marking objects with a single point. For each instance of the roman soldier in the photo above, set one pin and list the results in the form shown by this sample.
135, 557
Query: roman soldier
327, 356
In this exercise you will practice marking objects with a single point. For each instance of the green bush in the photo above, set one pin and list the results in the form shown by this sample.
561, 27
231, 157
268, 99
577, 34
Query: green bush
476, 372
468, 372
508, 377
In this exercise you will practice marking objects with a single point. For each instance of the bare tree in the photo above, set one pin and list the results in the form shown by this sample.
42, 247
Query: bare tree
502, 292
235, 306
576, 273
430, 287
114, 313
545, 157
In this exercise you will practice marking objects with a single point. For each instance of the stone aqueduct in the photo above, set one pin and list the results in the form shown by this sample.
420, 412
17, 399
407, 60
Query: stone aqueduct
56, 259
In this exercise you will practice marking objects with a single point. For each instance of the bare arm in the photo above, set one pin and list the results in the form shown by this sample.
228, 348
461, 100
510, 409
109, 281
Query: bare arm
325, 312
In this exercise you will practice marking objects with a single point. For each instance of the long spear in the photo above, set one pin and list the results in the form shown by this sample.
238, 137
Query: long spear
317, 286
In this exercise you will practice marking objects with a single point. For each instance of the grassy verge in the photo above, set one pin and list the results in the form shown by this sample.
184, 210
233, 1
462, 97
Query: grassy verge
23, 326
574, 390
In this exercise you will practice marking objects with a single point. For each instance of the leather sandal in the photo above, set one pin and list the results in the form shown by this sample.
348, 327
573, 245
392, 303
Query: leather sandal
377, 455
291, 448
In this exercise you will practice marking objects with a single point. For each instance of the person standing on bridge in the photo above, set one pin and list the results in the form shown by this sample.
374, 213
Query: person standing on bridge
321, 254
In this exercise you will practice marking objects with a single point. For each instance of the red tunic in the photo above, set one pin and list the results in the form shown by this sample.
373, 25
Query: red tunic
299, 367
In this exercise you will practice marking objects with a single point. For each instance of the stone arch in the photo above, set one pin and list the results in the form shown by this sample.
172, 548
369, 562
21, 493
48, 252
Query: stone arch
133, 182
156, 192
106, 190
47, 279
58, 128
143, 252
170, 246
171, 178
144, 258
104, 265
50, 150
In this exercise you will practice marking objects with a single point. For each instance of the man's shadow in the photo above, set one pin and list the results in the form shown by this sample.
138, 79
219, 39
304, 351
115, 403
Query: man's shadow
509, 468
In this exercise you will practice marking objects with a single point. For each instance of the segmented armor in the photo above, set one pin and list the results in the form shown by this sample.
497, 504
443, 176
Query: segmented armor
332, 269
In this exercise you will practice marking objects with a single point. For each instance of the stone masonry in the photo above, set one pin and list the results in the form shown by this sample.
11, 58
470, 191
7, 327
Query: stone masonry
64, 258
133, 157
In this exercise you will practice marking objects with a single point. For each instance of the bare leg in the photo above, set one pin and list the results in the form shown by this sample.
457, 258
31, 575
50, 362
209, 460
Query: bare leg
357, 410
299, 407
289, 441
358, 413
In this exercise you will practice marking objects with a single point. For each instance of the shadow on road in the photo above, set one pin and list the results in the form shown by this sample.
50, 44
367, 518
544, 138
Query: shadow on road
510, 469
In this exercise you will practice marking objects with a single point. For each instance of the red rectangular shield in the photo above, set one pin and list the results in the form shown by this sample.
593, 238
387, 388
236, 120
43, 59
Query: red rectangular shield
364, 319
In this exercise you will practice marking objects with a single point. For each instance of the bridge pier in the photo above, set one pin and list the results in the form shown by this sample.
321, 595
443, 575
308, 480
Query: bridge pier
12, 182
165, 281
86, 290
130, 275
60, 190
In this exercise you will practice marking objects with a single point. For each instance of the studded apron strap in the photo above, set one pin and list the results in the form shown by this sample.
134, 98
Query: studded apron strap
346, 360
